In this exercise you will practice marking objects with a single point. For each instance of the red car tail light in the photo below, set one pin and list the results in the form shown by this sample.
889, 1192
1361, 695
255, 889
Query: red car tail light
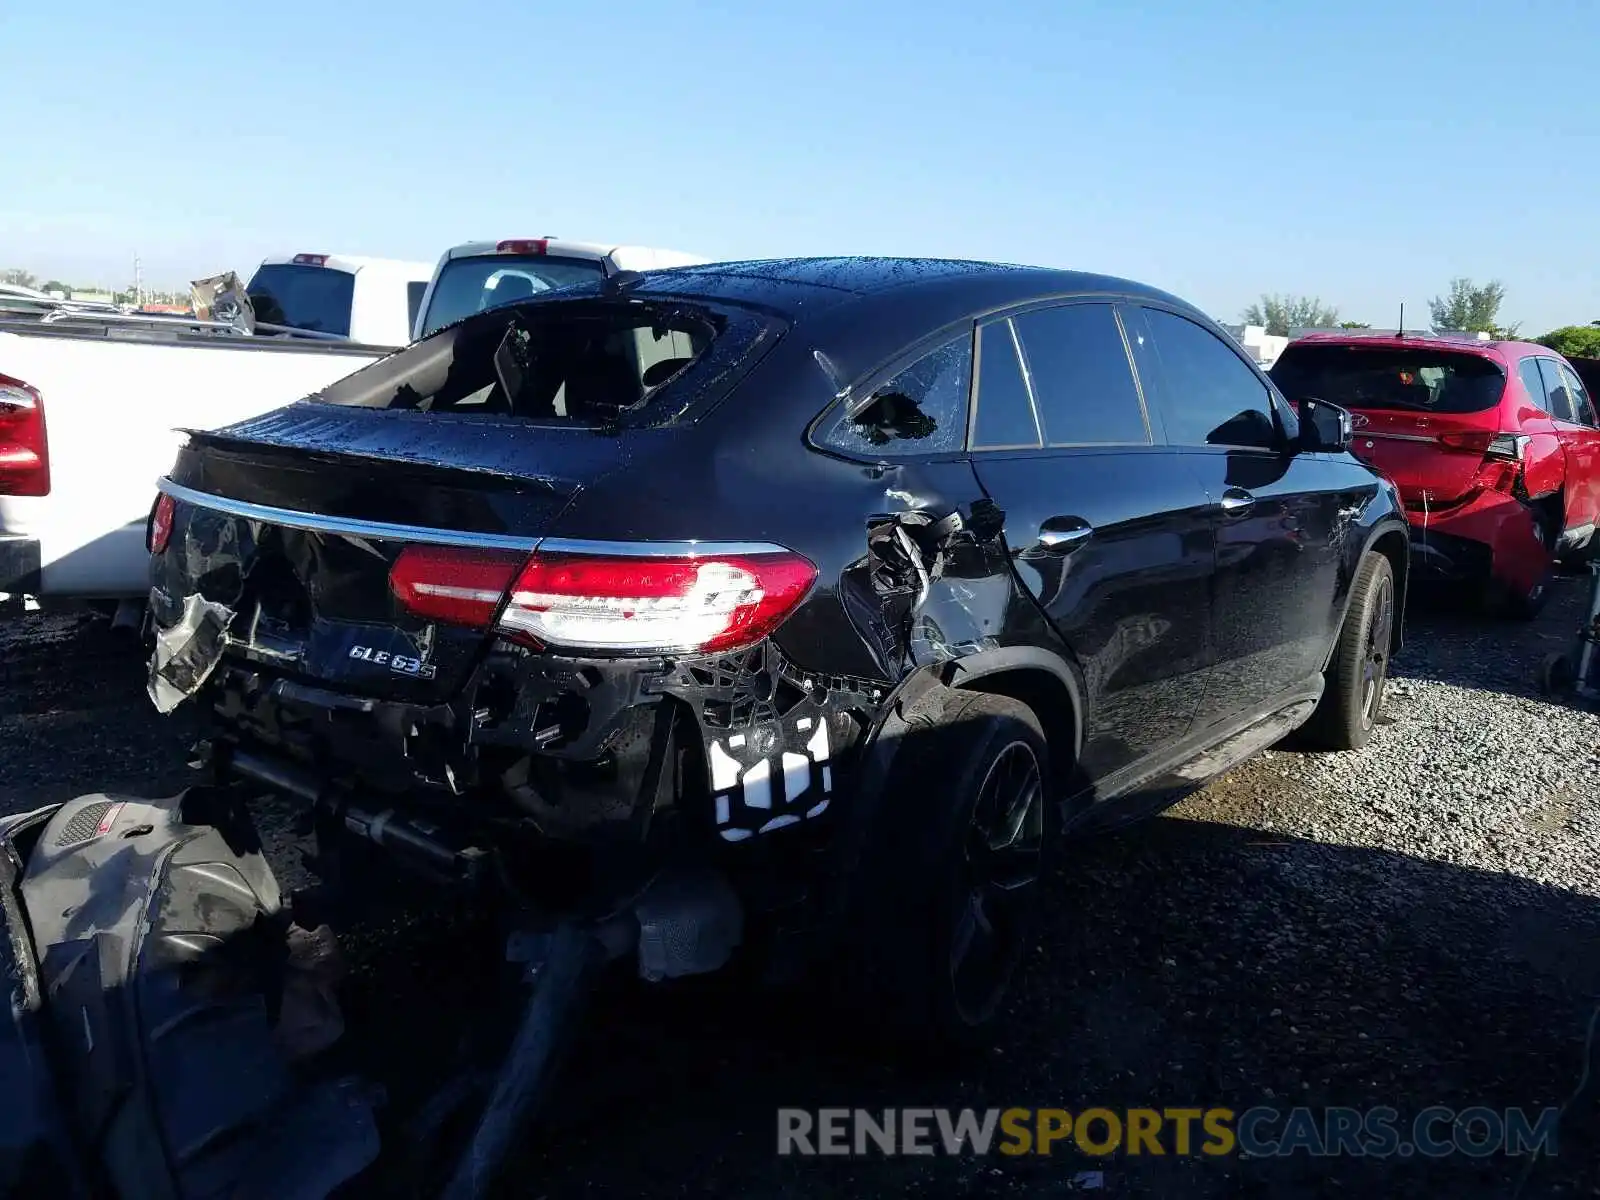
160, 524
524, 246
1503, 454
24, 447
1509, 447
620, 604
455, 586
649, 605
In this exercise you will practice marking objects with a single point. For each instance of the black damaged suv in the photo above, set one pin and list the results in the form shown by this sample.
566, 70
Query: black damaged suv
846, 581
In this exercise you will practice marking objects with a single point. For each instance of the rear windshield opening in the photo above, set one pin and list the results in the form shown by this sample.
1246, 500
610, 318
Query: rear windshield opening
474, 285
585, 362
311, 298
1380, 377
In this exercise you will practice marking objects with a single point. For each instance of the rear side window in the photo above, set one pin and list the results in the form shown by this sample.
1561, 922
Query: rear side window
1082, 378
316, 299
1004, 418
1209, 397
1532, 380
922, 410
585, 362
1390, 377
1582, 402
1553, 399
476, 284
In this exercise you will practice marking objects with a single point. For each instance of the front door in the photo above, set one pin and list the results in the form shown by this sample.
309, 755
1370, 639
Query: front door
1280, 517
1106, 529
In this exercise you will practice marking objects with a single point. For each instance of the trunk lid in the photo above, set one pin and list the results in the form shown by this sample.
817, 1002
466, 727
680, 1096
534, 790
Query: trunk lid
280, 536
297, 544
1426, 457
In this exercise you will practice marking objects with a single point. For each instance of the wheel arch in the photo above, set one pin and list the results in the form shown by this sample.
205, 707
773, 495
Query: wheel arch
1395, 544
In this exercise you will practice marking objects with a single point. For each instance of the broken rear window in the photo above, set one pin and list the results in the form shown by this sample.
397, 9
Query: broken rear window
1390, 377
588, 362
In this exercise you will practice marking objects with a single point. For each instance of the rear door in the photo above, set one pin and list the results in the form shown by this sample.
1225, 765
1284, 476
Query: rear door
1105, 528
1572, 410
1279, 516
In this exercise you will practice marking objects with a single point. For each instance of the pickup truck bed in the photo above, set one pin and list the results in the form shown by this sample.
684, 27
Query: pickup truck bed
113, 398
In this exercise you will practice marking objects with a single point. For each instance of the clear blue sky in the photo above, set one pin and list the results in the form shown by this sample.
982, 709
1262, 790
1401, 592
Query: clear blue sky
1364, 152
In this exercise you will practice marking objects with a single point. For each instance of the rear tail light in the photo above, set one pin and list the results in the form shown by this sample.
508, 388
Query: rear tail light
458, 587
311, 260
160, 524
1503, 454
607, 604
524, 246
1509, 447
24, 448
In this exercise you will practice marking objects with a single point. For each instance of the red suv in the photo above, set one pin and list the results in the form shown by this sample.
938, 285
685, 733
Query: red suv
1493, 446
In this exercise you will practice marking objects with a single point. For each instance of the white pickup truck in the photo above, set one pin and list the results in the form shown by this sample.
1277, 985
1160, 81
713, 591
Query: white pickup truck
90, 403
478, 275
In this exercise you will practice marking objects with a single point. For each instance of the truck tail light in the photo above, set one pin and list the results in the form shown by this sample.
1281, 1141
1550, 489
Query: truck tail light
24, 446
311, 260
524, 246
160, 524
617, 604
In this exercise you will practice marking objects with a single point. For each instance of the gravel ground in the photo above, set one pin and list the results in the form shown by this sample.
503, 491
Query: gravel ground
1417, 923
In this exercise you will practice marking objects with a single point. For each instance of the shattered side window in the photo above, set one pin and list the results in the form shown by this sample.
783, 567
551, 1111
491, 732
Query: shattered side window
922, 410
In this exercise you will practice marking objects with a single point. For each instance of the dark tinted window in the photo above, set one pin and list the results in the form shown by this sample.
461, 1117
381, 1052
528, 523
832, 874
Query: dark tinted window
1582, 402
1208, 395
1082, 380
1004, 418
302, 297
470, 285
1390, 377
922, 410
1532, 380
1555, 401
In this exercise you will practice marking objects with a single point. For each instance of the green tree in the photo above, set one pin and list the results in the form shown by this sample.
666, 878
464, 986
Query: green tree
1471, 308
1354, 325
1575, 341
55, 285
19, 277
1282, 313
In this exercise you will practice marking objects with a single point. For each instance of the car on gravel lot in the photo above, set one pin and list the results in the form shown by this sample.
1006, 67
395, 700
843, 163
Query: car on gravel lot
1493, 445
847, 580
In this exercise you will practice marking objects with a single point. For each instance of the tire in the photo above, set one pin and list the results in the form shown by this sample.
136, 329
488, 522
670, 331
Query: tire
952, 896
1360, 666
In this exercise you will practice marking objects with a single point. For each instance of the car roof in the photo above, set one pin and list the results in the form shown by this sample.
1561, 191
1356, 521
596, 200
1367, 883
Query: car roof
1464, 343
862, 311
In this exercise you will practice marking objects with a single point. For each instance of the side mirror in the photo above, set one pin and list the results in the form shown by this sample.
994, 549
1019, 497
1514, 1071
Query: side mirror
1324, 427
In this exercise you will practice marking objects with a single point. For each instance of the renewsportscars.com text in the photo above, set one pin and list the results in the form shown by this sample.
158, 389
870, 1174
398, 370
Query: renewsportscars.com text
1260, 1132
